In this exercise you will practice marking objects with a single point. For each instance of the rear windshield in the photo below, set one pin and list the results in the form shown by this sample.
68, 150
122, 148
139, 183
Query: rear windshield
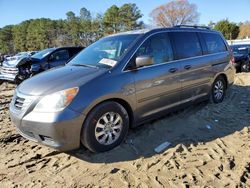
214, 43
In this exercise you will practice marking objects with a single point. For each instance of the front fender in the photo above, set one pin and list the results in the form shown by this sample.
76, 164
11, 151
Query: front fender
111, 97
35, 68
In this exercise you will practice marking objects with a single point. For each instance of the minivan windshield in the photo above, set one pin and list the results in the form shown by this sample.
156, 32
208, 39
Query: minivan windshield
105, 52
43, 53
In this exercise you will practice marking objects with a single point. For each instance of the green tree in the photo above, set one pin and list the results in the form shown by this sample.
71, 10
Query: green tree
82, 29
85, 27
111, 20
6, 40
230, 30
125, 18
73, 27
129, 15
97, 27
40, 34
19, 36
85, 14
61, 36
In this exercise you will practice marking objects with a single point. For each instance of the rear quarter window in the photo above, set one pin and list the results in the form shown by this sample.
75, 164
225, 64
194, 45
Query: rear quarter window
214, 43
186, 44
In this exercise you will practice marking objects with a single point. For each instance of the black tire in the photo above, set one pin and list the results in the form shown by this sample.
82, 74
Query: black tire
89, 129
245, 66
218, 98
17, 81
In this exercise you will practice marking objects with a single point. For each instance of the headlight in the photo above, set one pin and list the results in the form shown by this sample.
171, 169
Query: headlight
56, 101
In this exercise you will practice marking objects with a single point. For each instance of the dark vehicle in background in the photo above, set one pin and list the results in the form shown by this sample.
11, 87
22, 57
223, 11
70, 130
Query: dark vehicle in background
122, 81
242, 57
40, 61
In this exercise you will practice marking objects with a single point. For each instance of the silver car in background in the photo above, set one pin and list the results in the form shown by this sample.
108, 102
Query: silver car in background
122, 81
9, 69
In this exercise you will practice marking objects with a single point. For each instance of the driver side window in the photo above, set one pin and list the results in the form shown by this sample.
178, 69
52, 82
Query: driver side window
158, 47
59, 56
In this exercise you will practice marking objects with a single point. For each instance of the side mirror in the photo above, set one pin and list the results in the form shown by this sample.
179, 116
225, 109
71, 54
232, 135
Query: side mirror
144, 60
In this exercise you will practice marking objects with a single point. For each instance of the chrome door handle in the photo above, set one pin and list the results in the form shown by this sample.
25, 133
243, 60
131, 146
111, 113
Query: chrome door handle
187, 67
173, 70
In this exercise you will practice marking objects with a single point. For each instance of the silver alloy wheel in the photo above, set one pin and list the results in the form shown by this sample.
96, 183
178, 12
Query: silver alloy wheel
108, 128
218, 90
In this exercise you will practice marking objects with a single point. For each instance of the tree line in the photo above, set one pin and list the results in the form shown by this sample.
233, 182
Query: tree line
179, 12
85, 28
75, 30
232, 30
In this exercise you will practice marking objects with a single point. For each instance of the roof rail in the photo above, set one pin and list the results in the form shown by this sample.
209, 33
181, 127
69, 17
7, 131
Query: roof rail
193, 26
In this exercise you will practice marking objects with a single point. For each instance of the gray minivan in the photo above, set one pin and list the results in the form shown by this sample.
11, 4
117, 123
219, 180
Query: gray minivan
119, 82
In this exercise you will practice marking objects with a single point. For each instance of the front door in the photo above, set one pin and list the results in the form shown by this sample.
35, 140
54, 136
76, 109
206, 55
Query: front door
58, 58
157, 86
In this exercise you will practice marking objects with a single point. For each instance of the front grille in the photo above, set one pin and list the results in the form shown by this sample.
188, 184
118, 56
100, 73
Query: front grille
21, 102
9, 70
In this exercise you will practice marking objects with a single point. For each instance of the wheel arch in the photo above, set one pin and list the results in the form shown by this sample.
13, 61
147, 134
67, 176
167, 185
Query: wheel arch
120, 101
224, 76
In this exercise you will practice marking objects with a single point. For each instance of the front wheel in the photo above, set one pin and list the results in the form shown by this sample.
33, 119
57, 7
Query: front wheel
218, 90
105, 127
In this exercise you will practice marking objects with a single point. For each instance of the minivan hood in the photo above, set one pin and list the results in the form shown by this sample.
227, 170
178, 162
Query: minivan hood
58, 79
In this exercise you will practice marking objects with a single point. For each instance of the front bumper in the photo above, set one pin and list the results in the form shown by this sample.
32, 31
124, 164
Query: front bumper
8, 77
59, 130
8, 73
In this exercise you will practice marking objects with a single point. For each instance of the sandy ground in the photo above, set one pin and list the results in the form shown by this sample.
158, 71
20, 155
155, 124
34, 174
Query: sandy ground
210, 147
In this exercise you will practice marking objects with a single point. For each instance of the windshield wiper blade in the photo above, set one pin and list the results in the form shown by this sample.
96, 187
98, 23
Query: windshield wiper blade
84, 65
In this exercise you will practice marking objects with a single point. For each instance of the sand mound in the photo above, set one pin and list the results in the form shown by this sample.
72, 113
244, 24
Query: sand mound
210, 145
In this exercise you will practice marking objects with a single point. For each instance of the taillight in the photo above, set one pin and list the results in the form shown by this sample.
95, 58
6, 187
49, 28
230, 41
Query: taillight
232, 60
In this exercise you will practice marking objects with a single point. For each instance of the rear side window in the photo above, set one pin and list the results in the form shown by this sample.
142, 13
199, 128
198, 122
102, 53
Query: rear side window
186, 44
214, 43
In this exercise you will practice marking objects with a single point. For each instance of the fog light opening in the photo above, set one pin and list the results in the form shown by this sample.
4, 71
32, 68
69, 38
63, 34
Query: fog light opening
46, 138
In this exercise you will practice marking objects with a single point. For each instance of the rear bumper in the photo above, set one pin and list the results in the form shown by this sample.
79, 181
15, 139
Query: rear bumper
60, 131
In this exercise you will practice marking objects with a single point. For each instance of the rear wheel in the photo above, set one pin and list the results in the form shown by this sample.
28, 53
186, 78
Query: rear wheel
218, 90
105, 127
